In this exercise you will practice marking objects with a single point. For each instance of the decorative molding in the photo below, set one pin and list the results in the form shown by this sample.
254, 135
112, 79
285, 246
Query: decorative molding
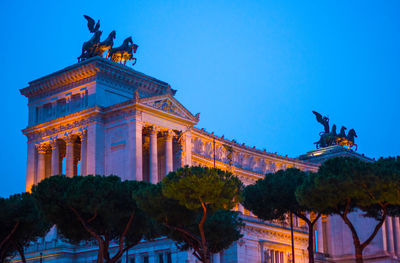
167, 103
263, 233
61, 128
95, 69
43, 148
244, 157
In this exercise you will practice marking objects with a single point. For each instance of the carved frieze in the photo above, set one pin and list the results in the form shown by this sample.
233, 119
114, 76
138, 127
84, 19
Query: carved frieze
166, 105
62, 128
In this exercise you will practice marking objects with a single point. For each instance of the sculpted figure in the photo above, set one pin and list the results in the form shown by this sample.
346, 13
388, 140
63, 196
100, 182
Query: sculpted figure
89, 47
328, 138
124, 52
349, 139
323, 120
105, 45
94, 47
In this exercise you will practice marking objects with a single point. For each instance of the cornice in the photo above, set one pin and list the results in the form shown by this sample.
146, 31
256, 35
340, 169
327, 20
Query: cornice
96, 67
266, 232
246, 176
63, 124
255, 152
137, 104
177, 104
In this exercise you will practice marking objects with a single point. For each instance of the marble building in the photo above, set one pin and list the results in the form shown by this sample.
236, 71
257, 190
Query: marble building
100, 117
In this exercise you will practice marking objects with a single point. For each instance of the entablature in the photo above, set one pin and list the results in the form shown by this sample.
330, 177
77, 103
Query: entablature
72, 122
92, 69
243, 157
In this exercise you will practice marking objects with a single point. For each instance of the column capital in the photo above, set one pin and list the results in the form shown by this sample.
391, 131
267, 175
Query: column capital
168, 134
69, 138
139, 122
53, 144
153, 130
83, 134
42, 148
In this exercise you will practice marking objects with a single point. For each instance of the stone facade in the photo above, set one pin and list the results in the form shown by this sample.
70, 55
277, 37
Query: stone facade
100, 117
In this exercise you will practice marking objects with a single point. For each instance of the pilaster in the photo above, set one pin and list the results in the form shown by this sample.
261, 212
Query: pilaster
30, 166
135, 149
95, 149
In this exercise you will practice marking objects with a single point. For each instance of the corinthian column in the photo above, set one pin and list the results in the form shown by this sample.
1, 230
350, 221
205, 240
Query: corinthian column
55, 158
69, 164
396, 230
320, 236
41, 174
83, 136
168, 152
389, 231
153, 156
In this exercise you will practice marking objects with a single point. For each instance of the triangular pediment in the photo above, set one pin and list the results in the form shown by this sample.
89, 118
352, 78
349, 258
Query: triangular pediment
167, 103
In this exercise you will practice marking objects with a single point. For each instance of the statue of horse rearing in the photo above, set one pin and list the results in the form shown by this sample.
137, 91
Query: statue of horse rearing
94, 47
124, 52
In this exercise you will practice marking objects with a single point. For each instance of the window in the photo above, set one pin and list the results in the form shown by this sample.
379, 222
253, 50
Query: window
61, 106
272, 256
75, 101
47, 110
132, 260
37, 114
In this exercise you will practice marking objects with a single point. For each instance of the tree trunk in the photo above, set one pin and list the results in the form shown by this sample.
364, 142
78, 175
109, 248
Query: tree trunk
20, 250
7, 238
359, 254
310, 224
356, 240
121, 248
310, 247
100, 242
206, 254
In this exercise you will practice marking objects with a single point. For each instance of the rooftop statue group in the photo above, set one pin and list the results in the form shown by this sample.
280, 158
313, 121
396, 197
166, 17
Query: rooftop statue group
330, 137
94, 47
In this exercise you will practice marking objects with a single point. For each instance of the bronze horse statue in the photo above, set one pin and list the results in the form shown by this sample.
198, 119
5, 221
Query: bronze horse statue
94, 47
329, 138
349, 139
105, 45
124, 52
90, 47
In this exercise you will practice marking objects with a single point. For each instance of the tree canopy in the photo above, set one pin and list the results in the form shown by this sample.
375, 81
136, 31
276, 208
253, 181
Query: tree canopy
275, 196
20, 223
193, 207
343, 185
95, 208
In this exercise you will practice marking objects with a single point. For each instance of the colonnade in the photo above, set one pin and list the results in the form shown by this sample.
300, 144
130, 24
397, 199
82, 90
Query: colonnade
391, 234
50, 156
168, 135
142, 165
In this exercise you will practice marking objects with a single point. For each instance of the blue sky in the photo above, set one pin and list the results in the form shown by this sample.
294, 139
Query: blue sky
254, 69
